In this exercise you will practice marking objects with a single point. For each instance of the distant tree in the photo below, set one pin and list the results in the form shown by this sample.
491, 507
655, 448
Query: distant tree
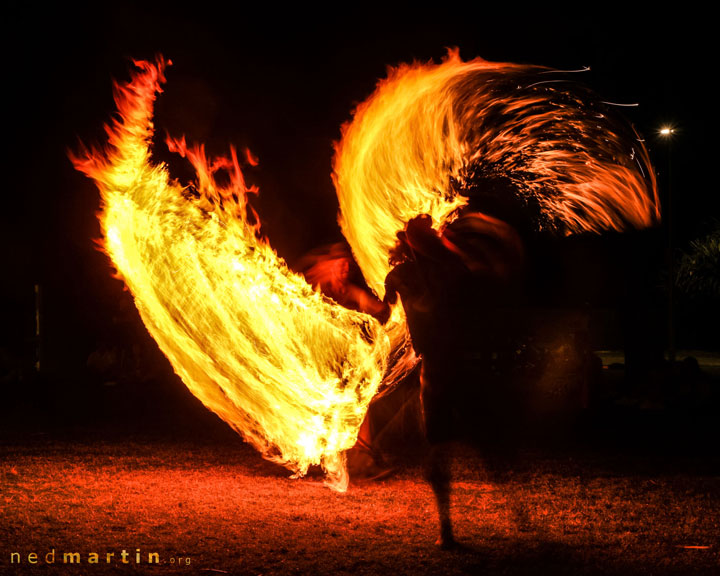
698, 271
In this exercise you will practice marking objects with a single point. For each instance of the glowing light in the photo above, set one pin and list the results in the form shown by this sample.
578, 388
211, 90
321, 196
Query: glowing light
430, 130
289, 369
667, 131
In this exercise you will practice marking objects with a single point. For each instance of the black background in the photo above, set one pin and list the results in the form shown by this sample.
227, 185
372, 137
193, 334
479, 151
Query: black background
282, 81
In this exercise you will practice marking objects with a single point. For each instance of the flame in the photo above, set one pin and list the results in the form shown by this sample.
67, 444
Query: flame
432, 131
332, 270
290, 369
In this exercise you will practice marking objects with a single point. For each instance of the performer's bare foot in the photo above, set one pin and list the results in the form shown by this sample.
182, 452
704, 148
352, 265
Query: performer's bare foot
446, 540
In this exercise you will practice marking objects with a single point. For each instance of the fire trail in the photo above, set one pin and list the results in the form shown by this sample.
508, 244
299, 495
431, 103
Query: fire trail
291, 370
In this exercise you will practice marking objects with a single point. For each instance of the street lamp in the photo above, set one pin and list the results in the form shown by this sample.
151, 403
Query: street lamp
666, 133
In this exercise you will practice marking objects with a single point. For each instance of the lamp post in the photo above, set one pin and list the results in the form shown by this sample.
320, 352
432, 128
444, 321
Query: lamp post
667, 132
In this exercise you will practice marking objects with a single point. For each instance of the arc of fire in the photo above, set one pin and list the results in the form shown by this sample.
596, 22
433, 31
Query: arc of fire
289, 369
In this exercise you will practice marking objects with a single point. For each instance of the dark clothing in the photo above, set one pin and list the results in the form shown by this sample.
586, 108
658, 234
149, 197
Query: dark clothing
431, 308
453, 290
439, 383
431, 288
458, 321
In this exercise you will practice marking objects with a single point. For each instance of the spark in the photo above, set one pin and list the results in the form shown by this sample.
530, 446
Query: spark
631, 105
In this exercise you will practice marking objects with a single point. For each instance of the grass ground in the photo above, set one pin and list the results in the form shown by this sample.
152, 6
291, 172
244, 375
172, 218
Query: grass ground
230, 512
145, 466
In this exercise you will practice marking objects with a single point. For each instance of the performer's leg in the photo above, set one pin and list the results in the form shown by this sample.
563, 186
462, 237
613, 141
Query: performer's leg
437, 421
362, 460
437, 473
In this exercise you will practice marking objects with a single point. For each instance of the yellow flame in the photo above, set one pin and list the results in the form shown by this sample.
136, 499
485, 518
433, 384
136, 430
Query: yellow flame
430, 128
289, 369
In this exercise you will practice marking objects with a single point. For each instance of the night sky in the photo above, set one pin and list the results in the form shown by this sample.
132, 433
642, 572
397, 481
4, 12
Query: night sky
282, 82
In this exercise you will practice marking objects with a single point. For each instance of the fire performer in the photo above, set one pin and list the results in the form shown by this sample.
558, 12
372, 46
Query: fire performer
522, 152
294, 372
436, 277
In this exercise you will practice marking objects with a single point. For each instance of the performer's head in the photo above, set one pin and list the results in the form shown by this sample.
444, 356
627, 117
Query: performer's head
401, 252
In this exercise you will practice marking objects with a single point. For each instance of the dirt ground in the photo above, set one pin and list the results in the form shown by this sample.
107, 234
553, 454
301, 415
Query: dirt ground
215, 507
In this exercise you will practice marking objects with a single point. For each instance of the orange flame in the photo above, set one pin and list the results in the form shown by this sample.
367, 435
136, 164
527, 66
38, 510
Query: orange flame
288, 368
429, 131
